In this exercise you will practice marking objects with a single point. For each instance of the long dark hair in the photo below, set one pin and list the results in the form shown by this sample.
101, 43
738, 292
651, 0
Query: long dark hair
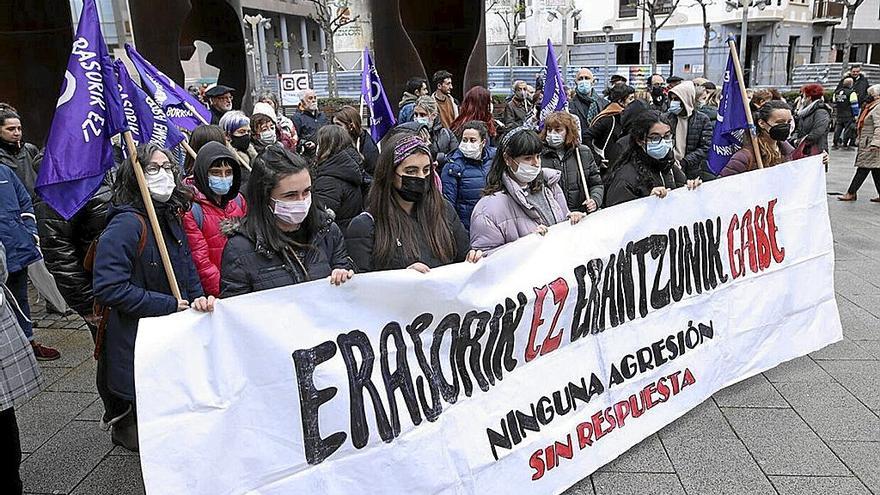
639, 130
517, 142
475, 106
127, 192
349, 116
259, 224
392, 224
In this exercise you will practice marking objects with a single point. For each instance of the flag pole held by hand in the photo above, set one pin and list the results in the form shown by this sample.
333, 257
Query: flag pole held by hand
745, 101
151, 214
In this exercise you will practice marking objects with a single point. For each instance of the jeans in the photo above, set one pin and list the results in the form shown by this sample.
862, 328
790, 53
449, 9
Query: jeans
861, 175
10, 453
840, 134
18, 285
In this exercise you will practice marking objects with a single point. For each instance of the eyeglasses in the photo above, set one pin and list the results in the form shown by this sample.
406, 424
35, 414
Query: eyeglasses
654, 139
224, 97
153, 168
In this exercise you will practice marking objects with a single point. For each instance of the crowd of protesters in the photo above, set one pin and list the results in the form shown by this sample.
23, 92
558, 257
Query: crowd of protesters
271, 201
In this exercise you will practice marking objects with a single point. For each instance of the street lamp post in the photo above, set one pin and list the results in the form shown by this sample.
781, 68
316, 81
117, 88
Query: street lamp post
258, 23
607, 29
744, 24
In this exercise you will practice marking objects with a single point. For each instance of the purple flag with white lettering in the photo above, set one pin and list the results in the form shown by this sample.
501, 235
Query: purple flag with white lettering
381, 117
88, 113
147, 121
732, 125
174, 100
555, 99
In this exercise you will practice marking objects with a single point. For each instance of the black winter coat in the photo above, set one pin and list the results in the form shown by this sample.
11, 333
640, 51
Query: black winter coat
813, 126
585, 109
250, 266
699, 139
21, 161
360, 238
370, 151
307, 124
571, 183
65, 242
337, 185
638, 174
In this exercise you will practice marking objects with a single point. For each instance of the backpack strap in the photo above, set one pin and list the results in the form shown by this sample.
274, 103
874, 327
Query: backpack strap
198, 214
142, 240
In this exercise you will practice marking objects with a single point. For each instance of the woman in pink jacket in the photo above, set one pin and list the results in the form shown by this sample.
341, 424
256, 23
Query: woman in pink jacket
216, 180
520, 197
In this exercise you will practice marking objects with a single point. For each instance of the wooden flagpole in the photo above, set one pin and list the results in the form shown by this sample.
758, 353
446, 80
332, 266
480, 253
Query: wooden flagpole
745, 101
151, 214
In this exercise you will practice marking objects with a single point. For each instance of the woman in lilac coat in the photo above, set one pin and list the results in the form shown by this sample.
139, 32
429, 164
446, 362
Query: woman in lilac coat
520, 197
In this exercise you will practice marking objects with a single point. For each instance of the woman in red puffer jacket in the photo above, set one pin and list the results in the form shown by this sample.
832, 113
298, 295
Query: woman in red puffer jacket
216, 179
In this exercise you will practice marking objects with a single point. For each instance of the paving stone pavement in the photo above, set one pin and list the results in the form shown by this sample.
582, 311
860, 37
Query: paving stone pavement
808, 426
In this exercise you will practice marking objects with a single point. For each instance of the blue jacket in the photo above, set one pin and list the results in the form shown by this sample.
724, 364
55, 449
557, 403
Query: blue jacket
463, 181
18, 225
135, 286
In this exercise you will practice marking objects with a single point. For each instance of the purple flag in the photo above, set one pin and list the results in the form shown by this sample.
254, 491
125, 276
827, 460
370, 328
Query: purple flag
732, 124
172, 98
381, 117
555, 99
88, 113
146, 120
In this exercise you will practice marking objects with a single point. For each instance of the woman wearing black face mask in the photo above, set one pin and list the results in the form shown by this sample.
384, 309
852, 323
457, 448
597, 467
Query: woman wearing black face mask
407, 224
773, 124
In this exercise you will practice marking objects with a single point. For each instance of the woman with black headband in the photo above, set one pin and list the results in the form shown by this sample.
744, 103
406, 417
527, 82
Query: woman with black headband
407, 224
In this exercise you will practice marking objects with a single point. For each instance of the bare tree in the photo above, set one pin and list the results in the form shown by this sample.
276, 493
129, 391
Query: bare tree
851, 6
654, 10
513, 14
707, 29
331, 16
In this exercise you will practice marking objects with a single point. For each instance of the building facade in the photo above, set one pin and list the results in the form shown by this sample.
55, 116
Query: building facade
782, 34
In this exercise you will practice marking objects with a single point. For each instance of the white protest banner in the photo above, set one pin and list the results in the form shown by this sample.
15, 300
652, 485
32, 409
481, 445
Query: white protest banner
524, 372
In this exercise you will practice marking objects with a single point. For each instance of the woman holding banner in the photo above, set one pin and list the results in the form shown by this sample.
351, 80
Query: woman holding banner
285, 238
520, 197
407, 224
561, 150
773, 125
648, 167
129, 279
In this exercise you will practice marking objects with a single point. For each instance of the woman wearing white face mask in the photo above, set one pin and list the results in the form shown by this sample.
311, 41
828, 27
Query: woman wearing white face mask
520, 197
130, 280
464, 174
647, 167
284, 238
263, 132
561, 153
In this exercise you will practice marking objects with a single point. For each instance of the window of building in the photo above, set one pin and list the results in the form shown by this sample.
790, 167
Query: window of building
790, 57
664, 51
628, 8
875, 54
816, 51
627, 53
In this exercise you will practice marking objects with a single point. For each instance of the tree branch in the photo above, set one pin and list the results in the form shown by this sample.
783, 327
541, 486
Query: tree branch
669, 15
346, 23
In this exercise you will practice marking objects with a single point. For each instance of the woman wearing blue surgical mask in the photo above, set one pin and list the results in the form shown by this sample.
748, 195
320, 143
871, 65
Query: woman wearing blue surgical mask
647, 167
216, 179
129, 278
284, 238
464, 174
520, 197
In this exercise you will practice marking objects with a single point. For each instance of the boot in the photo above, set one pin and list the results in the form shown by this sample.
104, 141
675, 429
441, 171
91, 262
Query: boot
875, 200
847, 197
124, 432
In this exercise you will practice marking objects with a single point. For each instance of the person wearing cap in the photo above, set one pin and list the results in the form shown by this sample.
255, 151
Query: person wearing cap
260, 129
587, 103
219, 101
673, 81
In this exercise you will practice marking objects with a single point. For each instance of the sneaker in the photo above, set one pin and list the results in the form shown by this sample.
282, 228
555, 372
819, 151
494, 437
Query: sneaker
108, 420
44, 353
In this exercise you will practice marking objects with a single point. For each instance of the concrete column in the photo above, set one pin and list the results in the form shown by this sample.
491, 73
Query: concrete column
323, 50
304, 34
285, 45
264, 55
